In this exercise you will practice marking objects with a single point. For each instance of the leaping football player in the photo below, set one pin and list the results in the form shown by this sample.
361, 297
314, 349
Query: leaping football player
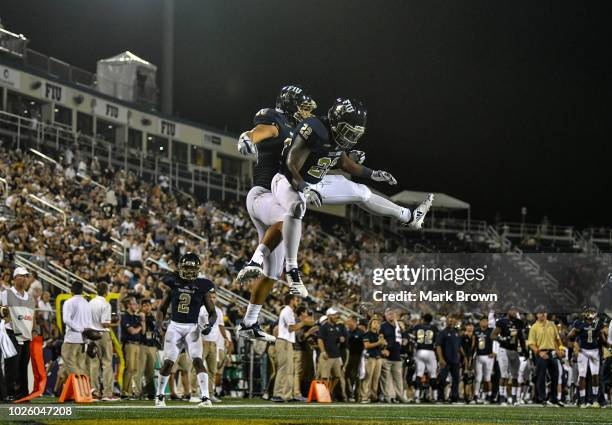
188, 293
323, 144
273, 130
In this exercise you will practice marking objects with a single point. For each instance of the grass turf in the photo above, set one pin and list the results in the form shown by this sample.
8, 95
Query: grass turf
258, 412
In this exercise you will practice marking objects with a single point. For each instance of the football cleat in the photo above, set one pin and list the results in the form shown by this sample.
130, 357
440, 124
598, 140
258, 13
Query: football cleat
250, 271
254, 332
194, 399
295, 282
595, 405
160, 401
419, 213
205, 402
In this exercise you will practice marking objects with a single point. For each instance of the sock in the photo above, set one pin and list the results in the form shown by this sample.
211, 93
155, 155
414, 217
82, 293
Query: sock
378, 205
595, 391
292, 233
476, 390
162, 381
582, 393
251, 314
259, 254
518, 393
488, 394
417, 393
203, 381
435, 394
502, 391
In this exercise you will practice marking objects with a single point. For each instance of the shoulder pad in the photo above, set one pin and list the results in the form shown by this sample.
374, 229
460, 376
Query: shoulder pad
268, 116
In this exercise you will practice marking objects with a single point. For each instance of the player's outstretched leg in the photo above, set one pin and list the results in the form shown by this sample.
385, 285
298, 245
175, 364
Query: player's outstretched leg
419, 213
162, 381
202, 376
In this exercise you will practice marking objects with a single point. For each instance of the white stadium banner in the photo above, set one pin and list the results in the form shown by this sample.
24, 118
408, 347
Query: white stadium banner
10, 77
169, 129
54, 92
111, 111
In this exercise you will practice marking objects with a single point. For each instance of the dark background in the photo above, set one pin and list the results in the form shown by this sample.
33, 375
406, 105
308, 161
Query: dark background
501, 104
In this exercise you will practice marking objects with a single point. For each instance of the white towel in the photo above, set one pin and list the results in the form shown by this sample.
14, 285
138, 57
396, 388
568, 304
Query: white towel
7, 349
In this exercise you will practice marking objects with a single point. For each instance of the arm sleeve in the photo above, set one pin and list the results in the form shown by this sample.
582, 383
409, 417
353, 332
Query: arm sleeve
495, 347
67, 316
610, 333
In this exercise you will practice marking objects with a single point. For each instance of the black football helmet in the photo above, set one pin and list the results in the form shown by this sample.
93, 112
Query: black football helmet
295, 103
189, 266
347, 119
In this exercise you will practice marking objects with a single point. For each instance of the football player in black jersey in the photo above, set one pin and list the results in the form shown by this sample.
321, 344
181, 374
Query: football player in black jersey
588, 336
188, 293
484, 362
508, 332
317, 146
273, 129
425, 335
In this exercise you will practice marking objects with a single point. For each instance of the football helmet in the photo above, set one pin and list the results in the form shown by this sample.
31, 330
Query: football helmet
347, 119
189, 266
295, 103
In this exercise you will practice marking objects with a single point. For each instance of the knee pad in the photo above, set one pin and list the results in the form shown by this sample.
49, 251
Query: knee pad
297, 210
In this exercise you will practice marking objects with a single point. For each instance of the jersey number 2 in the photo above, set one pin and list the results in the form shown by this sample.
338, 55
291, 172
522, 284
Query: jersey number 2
184, 301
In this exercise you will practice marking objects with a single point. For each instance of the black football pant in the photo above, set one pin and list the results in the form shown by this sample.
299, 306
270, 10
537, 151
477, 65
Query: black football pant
453, 369
542, 366
352, 376
16, 369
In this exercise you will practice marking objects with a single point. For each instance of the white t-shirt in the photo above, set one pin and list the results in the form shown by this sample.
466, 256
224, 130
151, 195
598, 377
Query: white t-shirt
76, 314
214, 334
286, 319
100, 313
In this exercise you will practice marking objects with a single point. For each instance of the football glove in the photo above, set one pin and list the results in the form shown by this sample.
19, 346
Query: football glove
245, 146
357, 156
206, 329
313, 197
383, 176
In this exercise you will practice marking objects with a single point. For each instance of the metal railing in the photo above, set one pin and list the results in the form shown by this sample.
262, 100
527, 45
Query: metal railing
542, 231
13, 44
21, 259
70, 276
50, 206
51, 140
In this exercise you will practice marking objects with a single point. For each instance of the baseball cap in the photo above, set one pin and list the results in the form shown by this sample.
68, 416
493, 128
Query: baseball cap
331, 311
20, 271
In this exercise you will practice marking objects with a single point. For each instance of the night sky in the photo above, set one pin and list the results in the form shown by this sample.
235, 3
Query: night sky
501, 104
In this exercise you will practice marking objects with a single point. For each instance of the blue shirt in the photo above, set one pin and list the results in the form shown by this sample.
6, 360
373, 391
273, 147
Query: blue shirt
450, 342
388, 330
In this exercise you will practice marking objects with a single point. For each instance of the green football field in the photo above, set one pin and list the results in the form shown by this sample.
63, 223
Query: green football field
259, 412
